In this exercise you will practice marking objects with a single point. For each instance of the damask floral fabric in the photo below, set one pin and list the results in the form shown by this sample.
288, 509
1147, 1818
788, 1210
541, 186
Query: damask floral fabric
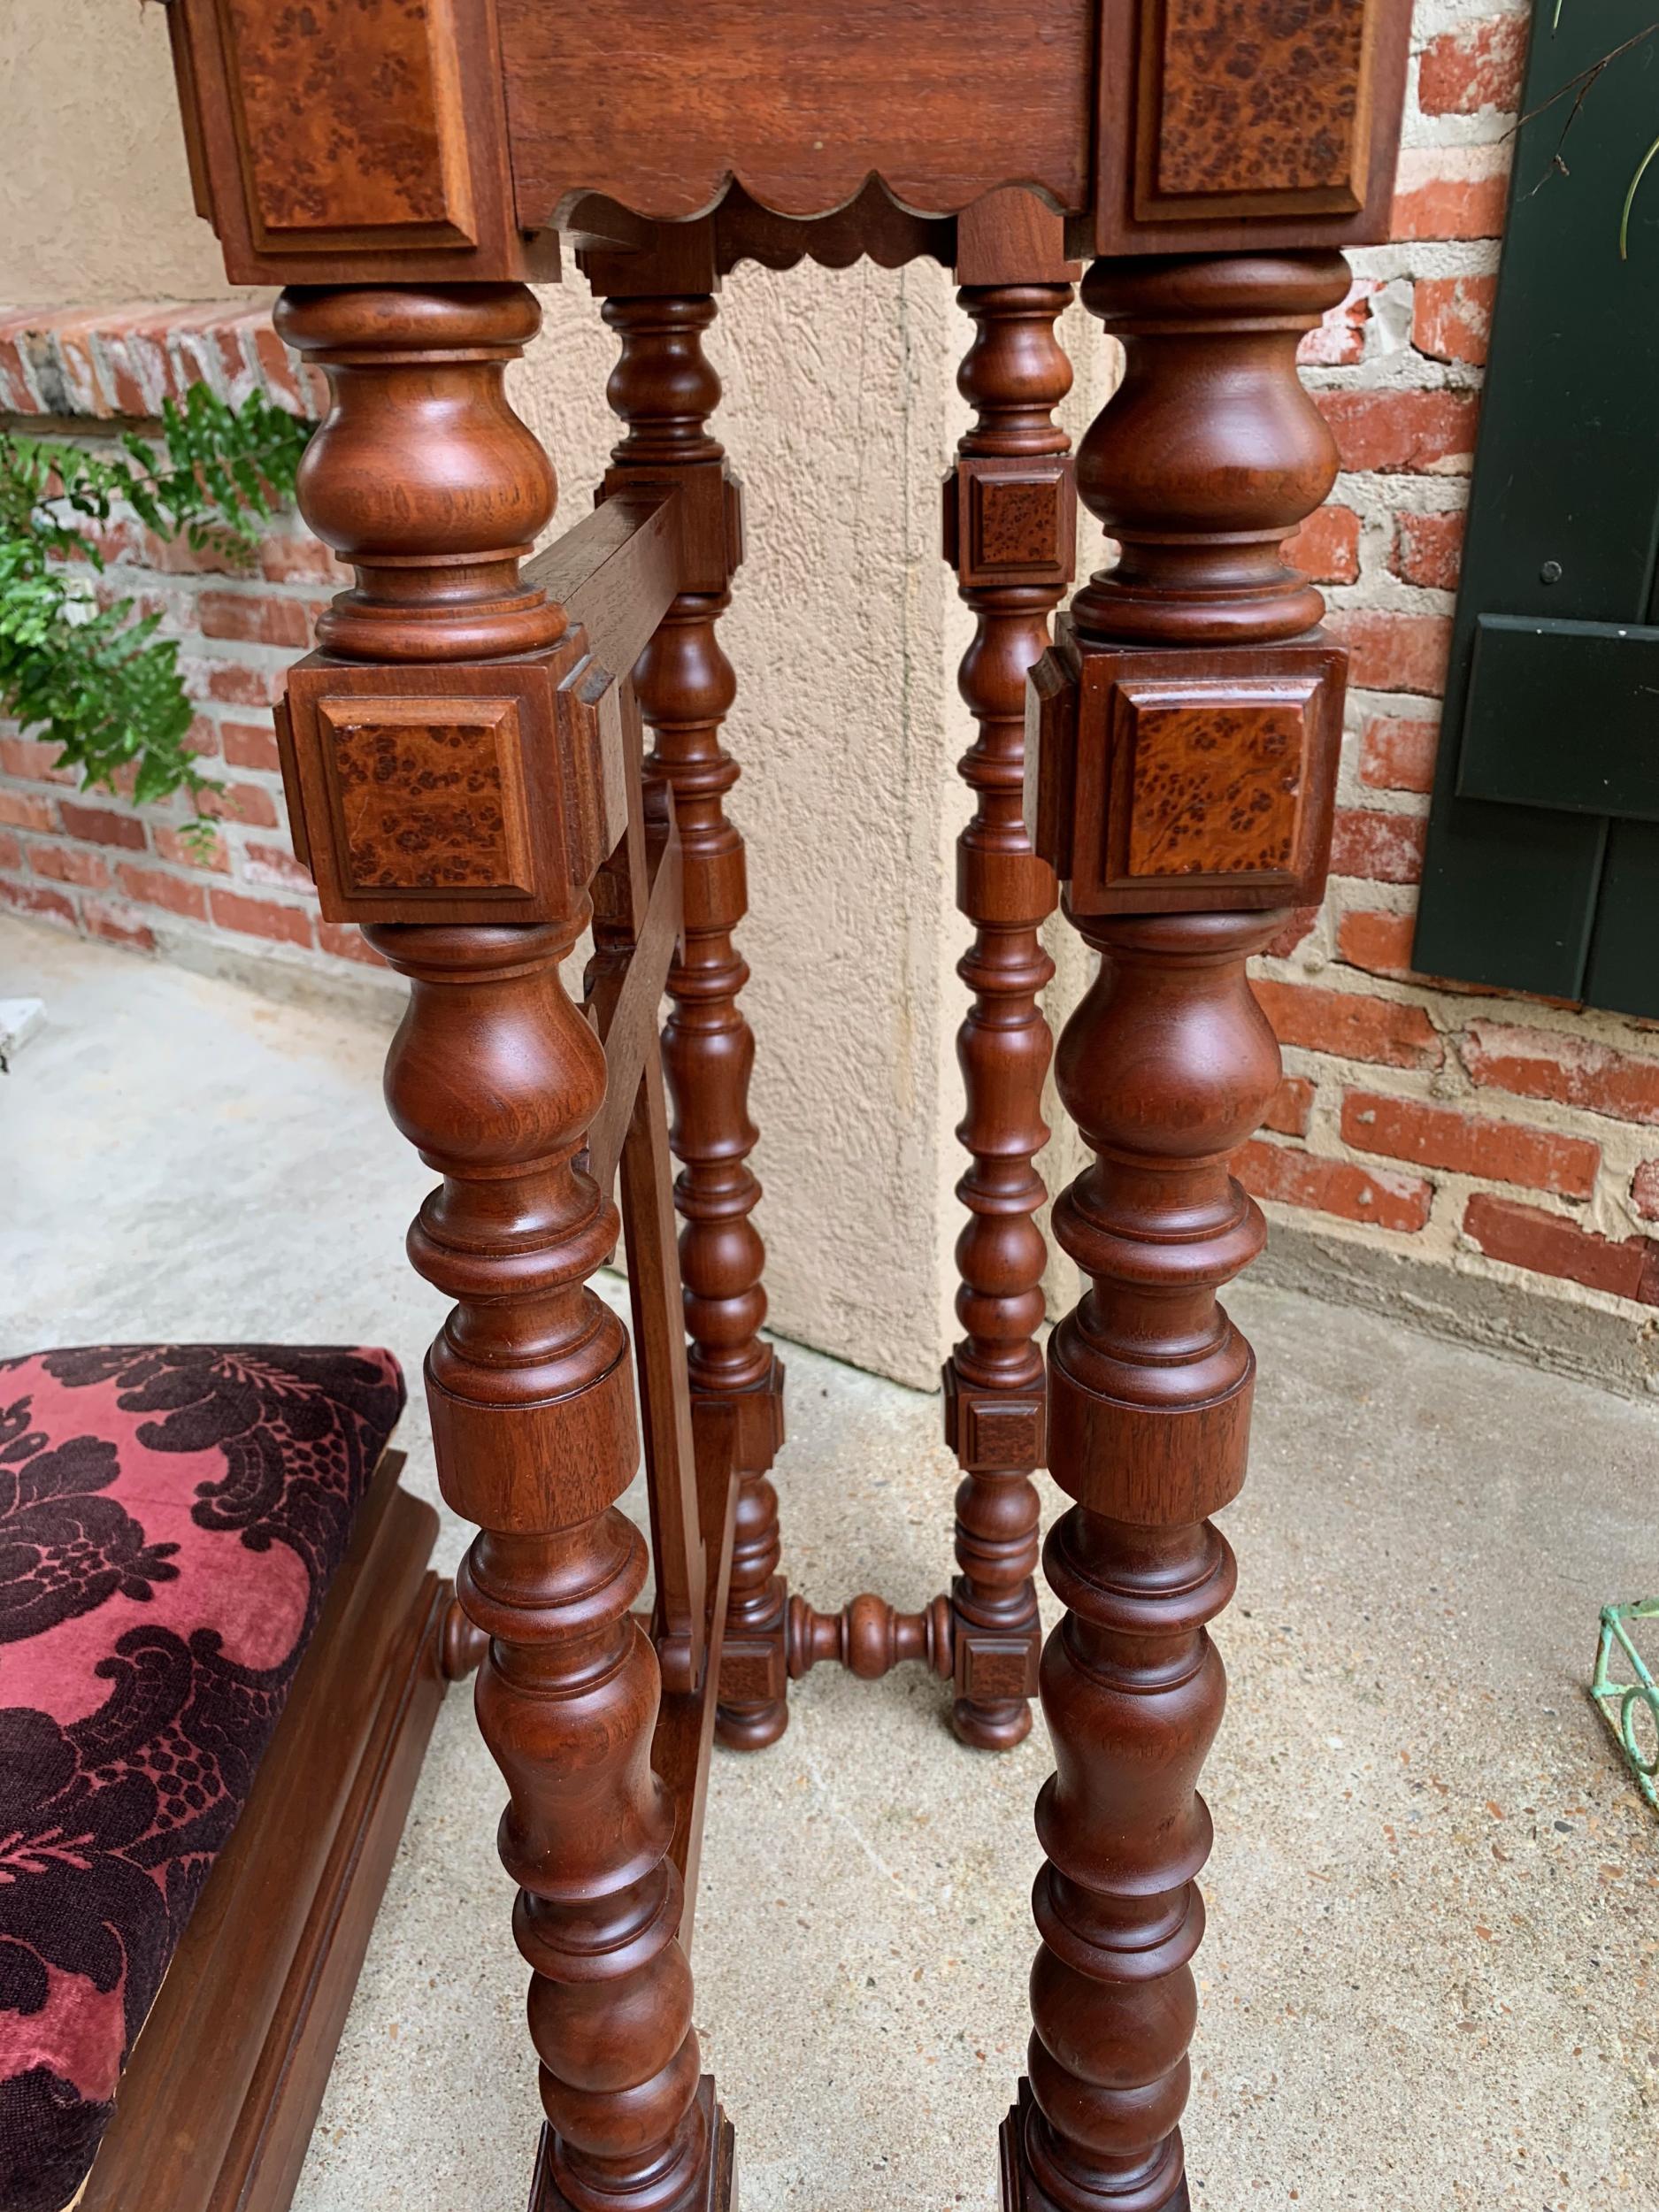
170, 1517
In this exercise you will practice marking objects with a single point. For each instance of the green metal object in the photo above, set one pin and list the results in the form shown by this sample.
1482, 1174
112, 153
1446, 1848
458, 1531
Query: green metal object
1542, 866
1630, 1707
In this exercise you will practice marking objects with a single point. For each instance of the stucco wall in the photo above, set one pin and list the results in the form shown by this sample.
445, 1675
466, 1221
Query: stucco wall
833, 414
87, 124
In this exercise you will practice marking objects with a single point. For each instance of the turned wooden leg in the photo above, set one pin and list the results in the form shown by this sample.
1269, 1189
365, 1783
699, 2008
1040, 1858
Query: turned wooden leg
420, 743
528, 1385
664, 388
1190, 717
1009, 522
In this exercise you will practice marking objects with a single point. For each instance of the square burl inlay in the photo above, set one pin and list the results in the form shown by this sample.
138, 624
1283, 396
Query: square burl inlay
349, 113
428, 804
1214, 788
1004, 1435
1258, 98
1016, 521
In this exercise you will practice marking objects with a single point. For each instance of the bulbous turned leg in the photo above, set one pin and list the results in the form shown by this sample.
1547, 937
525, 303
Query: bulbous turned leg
416, 747
496, 1076
1189, 717
1133, 1689
1009, 510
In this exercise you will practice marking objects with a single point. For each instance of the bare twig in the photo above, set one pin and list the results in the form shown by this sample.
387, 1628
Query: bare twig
1582, 81
1580, 85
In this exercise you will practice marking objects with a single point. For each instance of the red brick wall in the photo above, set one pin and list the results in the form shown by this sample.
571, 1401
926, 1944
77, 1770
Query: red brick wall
88, 860
1499, 1135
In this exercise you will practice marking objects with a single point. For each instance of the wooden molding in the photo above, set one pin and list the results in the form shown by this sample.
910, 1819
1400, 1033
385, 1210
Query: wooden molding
942, 100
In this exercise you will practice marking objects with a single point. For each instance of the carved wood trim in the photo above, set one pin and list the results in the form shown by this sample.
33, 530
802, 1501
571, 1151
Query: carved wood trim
873, 226
942, 100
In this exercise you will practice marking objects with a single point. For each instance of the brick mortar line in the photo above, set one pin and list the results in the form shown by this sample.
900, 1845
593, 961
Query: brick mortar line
294, 896
1588, 1024
1444, 1241
1451, 1248
1624, 1145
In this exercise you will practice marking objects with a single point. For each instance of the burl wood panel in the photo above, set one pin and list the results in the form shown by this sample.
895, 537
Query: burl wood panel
414, 801
1245, 123
1190, 785
350, 116
428, 804
351, 141
943, 99
1257, 96
1021, 523
1213, 785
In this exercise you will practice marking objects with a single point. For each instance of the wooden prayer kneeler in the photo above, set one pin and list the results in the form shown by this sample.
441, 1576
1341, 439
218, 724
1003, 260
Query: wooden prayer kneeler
465, 756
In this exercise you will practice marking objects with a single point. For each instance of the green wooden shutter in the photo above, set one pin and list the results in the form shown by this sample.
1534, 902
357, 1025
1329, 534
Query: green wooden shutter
1542, 866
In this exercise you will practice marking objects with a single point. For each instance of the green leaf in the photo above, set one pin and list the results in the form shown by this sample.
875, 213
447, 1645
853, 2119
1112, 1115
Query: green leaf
1630, 200
99, 681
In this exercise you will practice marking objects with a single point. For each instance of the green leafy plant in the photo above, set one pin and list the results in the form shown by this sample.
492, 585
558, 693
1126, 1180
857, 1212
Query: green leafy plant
95, 678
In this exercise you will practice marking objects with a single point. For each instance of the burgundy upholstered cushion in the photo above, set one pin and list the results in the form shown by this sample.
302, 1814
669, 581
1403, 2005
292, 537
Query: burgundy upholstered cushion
170, 1517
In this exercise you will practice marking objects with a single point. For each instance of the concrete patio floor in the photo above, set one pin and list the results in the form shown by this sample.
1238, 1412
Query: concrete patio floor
1429, 1980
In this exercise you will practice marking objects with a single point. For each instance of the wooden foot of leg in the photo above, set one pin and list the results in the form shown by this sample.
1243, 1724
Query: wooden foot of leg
720, 2191
754, 1708
1163, 2189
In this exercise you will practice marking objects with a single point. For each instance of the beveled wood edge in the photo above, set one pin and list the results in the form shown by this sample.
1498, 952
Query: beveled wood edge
268, 2151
